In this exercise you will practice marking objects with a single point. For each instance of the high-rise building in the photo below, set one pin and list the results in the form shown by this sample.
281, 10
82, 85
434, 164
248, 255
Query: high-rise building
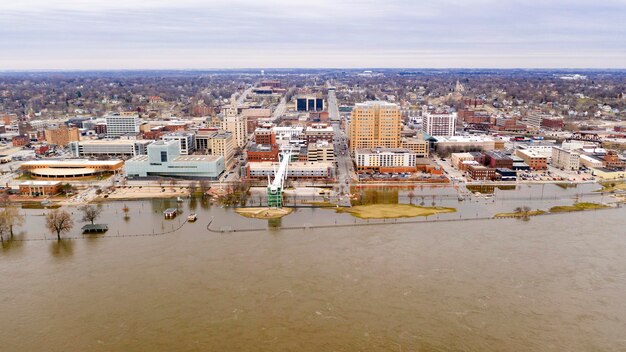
238, 127
375, 124
438, 124
120, 124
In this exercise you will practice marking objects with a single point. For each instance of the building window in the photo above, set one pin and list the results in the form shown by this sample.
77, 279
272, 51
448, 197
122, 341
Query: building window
163, 156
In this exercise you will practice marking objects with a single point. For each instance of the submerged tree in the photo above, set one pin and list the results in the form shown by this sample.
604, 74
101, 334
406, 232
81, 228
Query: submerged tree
90, 213
59, 221
204, 187
193, 188
411, 195
9, 218
125, 209
524, 212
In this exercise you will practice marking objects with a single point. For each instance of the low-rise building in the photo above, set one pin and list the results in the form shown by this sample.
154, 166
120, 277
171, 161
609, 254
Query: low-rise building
504, 174
321, 151
456, 144
608, 174
495, 159
565, 159
590, 162
319, 132
385, 160
419, 146
264, 135
186, 141
481, 173
295, 170
120, 148
262, 152
457, 159
165, 160
216, 142
533, 159
71, 168
40, 188
62, 136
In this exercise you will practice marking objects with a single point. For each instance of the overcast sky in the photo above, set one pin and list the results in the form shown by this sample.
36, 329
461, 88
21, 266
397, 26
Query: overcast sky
152, 34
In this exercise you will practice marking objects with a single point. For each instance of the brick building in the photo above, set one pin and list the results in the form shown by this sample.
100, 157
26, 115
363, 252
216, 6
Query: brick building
479, 172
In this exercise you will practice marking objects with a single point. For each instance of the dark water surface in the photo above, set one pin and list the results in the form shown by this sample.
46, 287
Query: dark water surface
554, 283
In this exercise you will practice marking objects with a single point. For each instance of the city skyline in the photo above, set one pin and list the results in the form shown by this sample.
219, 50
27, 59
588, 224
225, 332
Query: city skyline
193, 34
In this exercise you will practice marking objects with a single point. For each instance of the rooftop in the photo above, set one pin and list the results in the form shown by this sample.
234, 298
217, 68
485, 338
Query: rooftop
383, 150
461, 139
40, 183
114, 141
379, 103
72, 163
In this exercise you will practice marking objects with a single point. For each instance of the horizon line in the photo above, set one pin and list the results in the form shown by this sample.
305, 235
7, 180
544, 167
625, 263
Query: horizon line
42, 70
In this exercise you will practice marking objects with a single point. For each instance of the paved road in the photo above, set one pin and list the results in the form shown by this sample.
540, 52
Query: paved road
280, 109
345, 168
244, 95
333, 108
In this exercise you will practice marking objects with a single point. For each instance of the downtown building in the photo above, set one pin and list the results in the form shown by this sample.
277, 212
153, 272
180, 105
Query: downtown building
99, 148
121, 124
375, 124
309, 103
565, 159
165, 160
385, 160
186, 141
62, 136
438, 124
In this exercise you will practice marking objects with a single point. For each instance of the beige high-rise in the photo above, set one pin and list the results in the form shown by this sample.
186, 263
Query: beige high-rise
375, 124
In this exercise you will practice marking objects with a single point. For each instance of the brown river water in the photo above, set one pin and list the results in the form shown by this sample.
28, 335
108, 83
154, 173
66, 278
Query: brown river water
554, 283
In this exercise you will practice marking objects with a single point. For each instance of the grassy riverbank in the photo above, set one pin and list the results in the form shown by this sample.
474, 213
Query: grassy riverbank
392, 211
520, 214
613, 186
577, 207
263, 213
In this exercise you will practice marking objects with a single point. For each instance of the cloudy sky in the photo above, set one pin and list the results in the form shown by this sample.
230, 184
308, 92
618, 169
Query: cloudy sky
128, 34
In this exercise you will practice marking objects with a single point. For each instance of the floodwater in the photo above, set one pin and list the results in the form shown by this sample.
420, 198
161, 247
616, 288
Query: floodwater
554, 283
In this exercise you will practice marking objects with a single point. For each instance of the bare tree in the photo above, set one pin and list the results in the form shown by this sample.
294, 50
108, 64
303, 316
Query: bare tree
59, 221
411, 195
193, 187
204, 187
9, 218
90, 213
524, 212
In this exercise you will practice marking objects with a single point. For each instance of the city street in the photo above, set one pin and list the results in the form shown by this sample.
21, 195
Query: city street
345, 168
280, 109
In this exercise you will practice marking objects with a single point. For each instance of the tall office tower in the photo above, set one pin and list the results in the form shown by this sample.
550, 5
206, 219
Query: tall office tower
375, 124
121, 124
238, 127
438, 124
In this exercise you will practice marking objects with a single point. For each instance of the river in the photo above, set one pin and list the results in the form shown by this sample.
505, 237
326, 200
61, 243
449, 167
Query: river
554, 283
